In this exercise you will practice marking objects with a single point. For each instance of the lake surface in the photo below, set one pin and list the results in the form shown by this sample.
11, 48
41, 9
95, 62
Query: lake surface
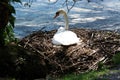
103, 15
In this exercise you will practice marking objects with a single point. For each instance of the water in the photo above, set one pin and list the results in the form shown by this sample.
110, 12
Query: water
103, 15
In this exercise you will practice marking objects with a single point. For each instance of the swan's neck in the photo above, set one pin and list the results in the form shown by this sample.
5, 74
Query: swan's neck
66, 21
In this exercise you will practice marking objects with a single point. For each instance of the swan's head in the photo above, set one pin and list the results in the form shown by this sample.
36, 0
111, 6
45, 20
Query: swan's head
59, 12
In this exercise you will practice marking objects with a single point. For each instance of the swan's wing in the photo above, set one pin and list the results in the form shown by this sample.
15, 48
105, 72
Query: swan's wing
65, 38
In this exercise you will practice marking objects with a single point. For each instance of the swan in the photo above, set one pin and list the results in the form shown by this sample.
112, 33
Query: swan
63, 36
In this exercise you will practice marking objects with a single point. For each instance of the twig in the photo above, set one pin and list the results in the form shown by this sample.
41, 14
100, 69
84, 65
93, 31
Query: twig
26, 43
91, 39
42, 53
45, 57
66, 2
74, 64
71, 6
75, 49
95, 63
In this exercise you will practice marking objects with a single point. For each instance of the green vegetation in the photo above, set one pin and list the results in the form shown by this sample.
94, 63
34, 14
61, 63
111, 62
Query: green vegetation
91, 75
7, 21
8, 34
116, 58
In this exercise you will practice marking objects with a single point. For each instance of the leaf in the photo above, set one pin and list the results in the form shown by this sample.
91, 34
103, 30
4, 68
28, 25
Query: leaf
9, 34
11, 8
12, 20
16, 1
116, 58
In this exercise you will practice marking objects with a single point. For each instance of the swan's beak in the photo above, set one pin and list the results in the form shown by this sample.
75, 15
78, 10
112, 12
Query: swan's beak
57, 14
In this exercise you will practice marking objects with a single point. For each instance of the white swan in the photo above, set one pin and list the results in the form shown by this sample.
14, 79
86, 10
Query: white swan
64, 36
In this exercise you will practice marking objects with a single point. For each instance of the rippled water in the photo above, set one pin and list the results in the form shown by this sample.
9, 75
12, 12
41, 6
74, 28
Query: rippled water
103, 15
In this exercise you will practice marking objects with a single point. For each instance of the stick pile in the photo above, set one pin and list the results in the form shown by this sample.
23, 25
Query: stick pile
96, 46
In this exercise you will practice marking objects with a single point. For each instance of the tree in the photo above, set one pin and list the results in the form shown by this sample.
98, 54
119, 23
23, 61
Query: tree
7, 21
74, 2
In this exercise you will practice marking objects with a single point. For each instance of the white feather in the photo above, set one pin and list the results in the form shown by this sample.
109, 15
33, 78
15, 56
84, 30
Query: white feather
64, 37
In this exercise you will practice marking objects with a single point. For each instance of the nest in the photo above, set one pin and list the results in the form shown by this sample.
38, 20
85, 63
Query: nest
96, 46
